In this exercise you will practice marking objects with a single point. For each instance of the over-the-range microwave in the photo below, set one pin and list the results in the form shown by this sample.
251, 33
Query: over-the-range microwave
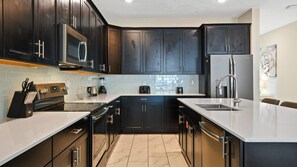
73, 50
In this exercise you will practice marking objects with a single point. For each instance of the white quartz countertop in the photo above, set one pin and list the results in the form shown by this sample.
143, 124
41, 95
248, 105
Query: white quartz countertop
255, 122
19, 135
107, 98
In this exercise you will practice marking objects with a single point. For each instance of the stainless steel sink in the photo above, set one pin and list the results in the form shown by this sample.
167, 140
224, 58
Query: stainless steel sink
216, 107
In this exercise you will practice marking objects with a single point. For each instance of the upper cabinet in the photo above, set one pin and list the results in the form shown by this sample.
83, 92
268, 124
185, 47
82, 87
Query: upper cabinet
227, 39
131, 51
191, 55
46, 31
18, 30
152, 51
69, 12
114, 50
161, 51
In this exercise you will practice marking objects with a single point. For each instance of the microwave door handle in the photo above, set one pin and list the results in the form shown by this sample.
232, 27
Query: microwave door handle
78, 53
86, 51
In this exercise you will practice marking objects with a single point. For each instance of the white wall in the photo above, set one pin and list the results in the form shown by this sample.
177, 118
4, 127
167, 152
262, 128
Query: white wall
253, 17
286, 80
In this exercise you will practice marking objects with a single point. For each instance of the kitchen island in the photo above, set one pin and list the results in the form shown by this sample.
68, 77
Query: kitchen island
266, 135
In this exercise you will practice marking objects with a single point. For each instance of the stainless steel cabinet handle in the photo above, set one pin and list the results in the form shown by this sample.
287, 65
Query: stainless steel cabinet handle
109, 68
143, 99
118, 111
91, 64
229, 49
43, 45
103, 67
76, 131
226, 48
181, 107
118, 101
75, 156
180, 119
38, 53
111, 119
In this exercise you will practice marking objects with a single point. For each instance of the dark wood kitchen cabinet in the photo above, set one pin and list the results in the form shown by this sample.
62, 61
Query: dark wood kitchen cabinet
227, 39
143, 114
18, 30
46, 31
132, 51
75, 155
114, 50
152, 51
38, 156
173, 51
191, 57
69, 12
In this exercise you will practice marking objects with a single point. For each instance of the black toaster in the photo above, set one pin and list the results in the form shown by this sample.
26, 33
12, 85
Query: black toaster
144, 89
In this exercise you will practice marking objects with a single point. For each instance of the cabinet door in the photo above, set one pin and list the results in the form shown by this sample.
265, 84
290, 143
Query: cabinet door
18, 30
65, 158
153, 51
92, 44
114, 51
191, 51
82, 144
133, 117
85, 19
153, 116
239, 39
63, 11
172, 51
190, 143
171, 119
217, 40
75, 17
131, 51
45, 23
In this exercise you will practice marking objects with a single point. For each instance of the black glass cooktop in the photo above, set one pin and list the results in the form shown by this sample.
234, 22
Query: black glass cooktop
76, 107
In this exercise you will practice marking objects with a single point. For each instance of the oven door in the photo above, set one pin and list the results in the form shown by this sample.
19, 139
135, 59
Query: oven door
73, 48
99, 136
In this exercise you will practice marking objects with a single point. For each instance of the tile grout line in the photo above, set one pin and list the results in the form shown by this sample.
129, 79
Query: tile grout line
165, 150
130, 150
148, 151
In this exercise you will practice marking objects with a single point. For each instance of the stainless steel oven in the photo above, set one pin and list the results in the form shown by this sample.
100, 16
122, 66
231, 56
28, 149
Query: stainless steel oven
51, 99
73, 50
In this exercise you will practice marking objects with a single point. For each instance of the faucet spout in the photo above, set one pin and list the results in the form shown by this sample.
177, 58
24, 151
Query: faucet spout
236, 99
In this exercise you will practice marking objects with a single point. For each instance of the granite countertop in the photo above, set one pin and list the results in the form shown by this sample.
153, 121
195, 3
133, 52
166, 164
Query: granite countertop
254, 122
107, 98
19, 135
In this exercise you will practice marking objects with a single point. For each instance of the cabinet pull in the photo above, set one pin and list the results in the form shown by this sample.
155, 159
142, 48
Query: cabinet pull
109, 68
41, 48
91, 65
141, 108
76, 131
229, 48
103, 67
181, 107
143, 99
38, 53
118, 101
110, 119
180, 119
75, 156
226, 48
118, 111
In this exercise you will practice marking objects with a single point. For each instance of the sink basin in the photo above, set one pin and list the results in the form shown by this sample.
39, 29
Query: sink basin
216, 107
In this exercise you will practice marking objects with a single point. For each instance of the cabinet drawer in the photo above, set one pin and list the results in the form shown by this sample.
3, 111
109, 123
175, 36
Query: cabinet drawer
144, 99
64, 138
37, 156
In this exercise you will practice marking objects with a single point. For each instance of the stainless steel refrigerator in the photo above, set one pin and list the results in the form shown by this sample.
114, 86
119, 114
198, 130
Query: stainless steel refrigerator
218, 66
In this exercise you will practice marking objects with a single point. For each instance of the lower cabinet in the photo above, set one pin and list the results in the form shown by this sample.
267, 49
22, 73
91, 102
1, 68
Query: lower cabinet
38, 156
68, 148
74, 155
143, 114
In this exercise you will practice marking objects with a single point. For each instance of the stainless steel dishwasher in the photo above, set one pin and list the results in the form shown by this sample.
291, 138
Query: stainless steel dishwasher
218, 148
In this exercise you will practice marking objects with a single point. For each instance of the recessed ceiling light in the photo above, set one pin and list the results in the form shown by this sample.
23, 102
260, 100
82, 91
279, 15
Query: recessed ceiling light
221, 1
129, 1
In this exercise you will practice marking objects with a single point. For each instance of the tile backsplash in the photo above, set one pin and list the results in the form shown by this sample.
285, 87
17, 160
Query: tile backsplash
158, 83
12, 77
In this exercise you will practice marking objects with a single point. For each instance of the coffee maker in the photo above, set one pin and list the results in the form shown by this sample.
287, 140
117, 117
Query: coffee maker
102, 89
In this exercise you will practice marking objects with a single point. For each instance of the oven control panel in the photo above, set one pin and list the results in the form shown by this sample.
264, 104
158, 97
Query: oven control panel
50, 90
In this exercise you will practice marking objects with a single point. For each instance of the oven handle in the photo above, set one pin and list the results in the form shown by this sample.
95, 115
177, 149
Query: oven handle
95, 117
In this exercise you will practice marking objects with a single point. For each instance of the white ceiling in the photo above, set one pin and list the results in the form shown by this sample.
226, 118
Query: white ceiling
164, 12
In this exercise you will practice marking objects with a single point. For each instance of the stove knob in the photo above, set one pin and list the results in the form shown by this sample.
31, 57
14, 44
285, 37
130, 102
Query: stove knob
43, 91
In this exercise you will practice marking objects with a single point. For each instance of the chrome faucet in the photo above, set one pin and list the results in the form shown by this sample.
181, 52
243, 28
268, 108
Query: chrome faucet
236, 99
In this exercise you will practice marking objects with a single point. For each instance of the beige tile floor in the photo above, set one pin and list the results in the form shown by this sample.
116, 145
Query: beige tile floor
147, 150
